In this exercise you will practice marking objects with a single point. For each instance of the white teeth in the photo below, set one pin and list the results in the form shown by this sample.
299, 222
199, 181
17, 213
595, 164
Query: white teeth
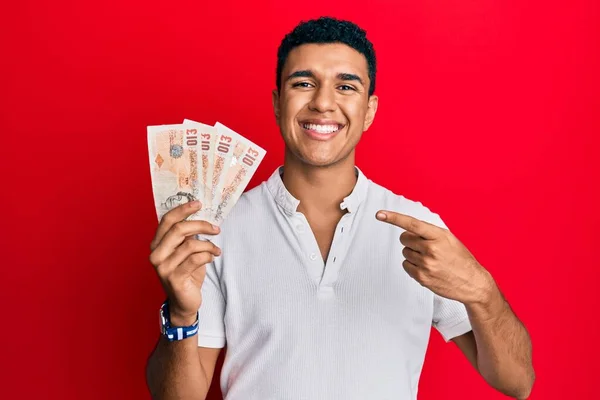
321, 128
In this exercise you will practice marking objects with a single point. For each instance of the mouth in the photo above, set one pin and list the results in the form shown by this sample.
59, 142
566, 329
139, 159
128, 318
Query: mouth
321, 129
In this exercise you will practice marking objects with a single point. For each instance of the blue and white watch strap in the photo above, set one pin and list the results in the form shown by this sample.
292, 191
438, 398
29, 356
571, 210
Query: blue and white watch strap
177, 332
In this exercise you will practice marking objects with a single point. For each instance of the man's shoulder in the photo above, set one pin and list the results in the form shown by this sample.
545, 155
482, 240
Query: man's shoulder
255, 196
384, 198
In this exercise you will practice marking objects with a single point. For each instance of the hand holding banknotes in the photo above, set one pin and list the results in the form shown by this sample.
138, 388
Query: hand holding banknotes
198, 174
180, 260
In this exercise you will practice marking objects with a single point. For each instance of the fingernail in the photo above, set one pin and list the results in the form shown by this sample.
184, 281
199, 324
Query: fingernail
216, 228
381, 215
194, 204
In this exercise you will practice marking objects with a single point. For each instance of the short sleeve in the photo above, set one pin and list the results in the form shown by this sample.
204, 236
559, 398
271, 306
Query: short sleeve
211, 327
450, 317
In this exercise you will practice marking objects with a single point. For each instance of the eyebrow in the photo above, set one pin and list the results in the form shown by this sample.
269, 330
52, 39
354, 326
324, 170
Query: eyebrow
307, 73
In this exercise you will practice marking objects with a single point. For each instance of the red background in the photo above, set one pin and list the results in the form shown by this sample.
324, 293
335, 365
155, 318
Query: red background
488, 115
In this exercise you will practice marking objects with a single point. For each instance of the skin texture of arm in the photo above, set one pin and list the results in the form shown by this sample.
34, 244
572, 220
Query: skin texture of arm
499, 346
180, 370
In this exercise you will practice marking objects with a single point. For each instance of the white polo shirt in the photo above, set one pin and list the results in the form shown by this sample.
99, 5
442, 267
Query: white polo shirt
354, 327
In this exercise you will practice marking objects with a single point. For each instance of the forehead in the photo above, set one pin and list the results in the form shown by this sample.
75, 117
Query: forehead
326, 58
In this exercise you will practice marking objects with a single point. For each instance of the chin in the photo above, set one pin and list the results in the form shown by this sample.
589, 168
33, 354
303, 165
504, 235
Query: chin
320, 163
320, 160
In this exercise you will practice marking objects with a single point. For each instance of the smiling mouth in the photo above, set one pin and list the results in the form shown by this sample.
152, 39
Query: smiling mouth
323, 129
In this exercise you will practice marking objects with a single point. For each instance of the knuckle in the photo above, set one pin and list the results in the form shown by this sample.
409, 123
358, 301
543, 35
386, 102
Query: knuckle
432, 250
203, 245
421, 277
153, 259
428, 262
169, 218
205, 227
189, 246
413, 225
164, 219
450, 240
418, 274
162, 273
197, 258
178, 228
201, 258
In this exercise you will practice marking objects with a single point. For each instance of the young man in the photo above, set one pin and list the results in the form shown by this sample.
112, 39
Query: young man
328, 284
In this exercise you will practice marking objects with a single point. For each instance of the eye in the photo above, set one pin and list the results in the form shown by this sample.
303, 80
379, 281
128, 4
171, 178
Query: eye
302, 84
346, 87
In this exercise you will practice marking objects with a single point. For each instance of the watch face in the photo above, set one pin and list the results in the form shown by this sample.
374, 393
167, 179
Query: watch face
161, 321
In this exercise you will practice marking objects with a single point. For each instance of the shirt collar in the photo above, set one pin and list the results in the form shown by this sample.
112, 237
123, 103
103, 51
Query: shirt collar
289, 203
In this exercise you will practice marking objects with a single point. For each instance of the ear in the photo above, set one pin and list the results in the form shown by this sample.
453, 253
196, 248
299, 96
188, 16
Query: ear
371, 110
276, 110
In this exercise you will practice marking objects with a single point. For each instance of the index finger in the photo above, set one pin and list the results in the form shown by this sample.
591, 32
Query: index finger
172, 217
408, 223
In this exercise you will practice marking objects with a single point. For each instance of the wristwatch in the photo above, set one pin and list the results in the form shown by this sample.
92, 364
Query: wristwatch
174, 333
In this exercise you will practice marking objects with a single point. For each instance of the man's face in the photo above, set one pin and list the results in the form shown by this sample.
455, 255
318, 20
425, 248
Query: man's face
324, 104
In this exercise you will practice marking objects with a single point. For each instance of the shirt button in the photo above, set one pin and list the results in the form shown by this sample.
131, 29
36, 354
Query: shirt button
300, 228
313, 256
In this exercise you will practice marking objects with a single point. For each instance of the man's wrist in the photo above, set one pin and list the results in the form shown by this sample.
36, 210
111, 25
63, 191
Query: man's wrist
490, 305
177, 317
178, 320
177, 326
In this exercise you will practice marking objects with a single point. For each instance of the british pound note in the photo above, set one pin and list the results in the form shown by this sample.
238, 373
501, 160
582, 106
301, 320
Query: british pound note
245, 161
225, 144
173, 166
208, 138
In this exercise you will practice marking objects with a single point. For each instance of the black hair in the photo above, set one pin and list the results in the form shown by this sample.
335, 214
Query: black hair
328, 30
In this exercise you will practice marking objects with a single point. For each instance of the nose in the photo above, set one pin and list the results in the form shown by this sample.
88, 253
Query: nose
323, 100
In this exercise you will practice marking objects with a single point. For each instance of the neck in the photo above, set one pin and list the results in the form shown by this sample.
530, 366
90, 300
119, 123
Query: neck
319, 189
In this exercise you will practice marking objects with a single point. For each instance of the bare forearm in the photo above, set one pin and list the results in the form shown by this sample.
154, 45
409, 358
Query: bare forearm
174, 371
503, 346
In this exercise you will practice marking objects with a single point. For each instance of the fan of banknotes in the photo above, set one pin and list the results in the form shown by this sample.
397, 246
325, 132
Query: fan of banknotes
194, 161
